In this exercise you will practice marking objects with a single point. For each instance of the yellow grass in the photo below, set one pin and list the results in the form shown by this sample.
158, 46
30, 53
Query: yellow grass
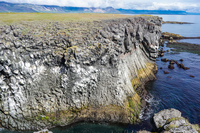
18, 17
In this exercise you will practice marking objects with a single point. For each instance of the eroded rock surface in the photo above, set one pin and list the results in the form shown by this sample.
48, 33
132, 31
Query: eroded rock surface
57, 73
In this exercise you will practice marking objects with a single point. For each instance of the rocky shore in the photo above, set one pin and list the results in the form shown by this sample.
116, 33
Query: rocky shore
175, 22
57, 73
171, 40
171, 121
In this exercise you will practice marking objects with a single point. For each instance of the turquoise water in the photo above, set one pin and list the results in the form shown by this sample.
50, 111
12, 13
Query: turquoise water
175, 90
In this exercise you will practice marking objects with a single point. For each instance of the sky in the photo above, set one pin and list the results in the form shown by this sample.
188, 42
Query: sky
185, 5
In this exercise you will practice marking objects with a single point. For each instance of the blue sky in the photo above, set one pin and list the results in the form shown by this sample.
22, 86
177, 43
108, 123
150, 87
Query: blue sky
186, 5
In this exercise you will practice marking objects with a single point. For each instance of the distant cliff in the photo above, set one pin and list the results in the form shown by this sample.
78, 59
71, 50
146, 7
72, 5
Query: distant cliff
58, 73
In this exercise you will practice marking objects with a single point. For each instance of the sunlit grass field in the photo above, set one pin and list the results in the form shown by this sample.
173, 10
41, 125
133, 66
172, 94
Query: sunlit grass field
19, 17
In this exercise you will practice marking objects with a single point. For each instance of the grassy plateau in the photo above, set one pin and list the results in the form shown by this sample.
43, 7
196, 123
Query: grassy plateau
19, 17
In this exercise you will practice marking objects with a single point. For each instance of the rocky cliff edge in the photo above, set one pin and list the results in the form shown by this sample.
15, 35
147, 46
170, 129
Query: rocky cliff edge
58, 73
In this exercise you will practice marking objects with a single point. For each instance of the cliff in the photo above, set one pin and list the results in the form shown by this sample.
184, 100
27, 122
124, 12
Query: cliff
58, 73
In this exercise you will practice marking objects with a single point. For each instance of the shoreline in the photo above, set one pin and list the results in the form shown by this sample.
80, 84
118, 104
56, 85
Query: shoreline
175, 22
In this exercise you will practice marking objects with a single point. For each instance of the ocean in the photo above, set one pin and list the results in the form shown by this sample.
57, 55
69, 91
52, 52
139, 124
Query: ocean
175, 90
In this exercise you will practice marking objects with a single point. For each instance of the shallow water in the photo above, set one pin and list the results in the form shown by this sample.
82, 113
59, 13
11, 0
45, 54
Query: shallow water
193, 41
175, 90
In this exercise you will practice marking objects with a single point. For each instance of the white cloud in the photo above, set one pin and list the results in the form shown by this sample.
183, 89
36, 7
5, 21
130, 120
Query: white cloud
188, 5
172, 6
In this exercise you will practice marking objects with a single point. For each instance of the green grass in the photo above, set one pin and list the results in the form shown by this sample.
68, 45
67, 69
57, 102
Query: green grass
19, 17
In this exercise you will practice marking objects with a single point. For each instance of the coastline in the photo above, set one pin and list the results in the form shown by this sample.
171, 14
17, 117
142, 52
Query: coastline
72, 71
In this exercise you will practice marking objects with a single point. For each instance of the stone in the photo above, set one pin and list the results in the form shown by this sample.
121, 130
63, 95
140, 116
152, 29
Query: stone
183, 129
181, 66
170, 121
172, 62
186, 68
165, 60
181, 60
192, 76
166, 72
15, 33
161, 117
161, 54
171, 66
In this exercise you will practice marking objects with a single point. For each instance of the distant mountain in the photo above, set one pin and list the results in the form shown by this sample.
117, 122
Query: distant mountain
23, 7
18, 7
129, 11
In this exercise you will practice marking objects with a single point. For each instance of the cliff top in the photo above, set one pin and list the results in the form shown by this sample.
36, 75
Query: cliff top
19, 17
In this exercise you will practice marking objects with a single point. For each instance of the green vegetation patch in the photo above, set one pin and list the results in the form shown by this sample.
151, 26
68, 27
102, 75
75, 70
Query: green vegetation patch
134, 107
168, 35
185, 47
19, 17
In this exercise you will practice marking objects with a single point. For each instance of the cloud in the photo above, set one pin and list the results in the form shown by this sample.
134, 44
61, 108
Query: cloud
172, 6
187, 5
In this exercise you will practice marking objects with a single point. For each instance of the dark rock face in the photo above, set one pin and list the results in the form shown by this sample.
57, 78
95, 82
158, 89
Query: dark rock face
57, 73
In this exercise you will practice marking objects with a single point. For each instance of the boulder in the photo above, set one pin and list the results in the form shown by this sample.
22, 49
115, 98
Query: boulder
192, 76
181, 65
170, 121
164, 60
171, 66
161, 117
172, 62
186, 68
166, 72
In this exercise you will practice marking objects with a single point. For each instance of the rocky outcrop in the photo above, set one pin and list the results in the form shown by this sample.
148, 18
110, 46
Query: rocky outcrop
58, 73
170, 120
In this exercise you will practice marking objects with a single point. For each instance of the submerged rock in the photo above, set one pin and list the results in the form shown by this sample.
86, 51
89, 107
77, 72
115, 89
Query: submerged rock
166, 72
192, 76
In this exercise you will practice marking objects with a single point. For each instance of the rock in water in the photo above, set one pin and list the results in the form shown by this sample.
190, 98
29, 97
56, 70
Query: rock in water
161, 117
171, 66
170, 120
192, 76
58, 73
165, 60
166, 72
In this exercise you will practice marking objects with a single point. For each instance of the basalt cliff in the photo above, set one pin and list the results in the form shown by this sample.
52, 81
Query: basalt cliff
58, 73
